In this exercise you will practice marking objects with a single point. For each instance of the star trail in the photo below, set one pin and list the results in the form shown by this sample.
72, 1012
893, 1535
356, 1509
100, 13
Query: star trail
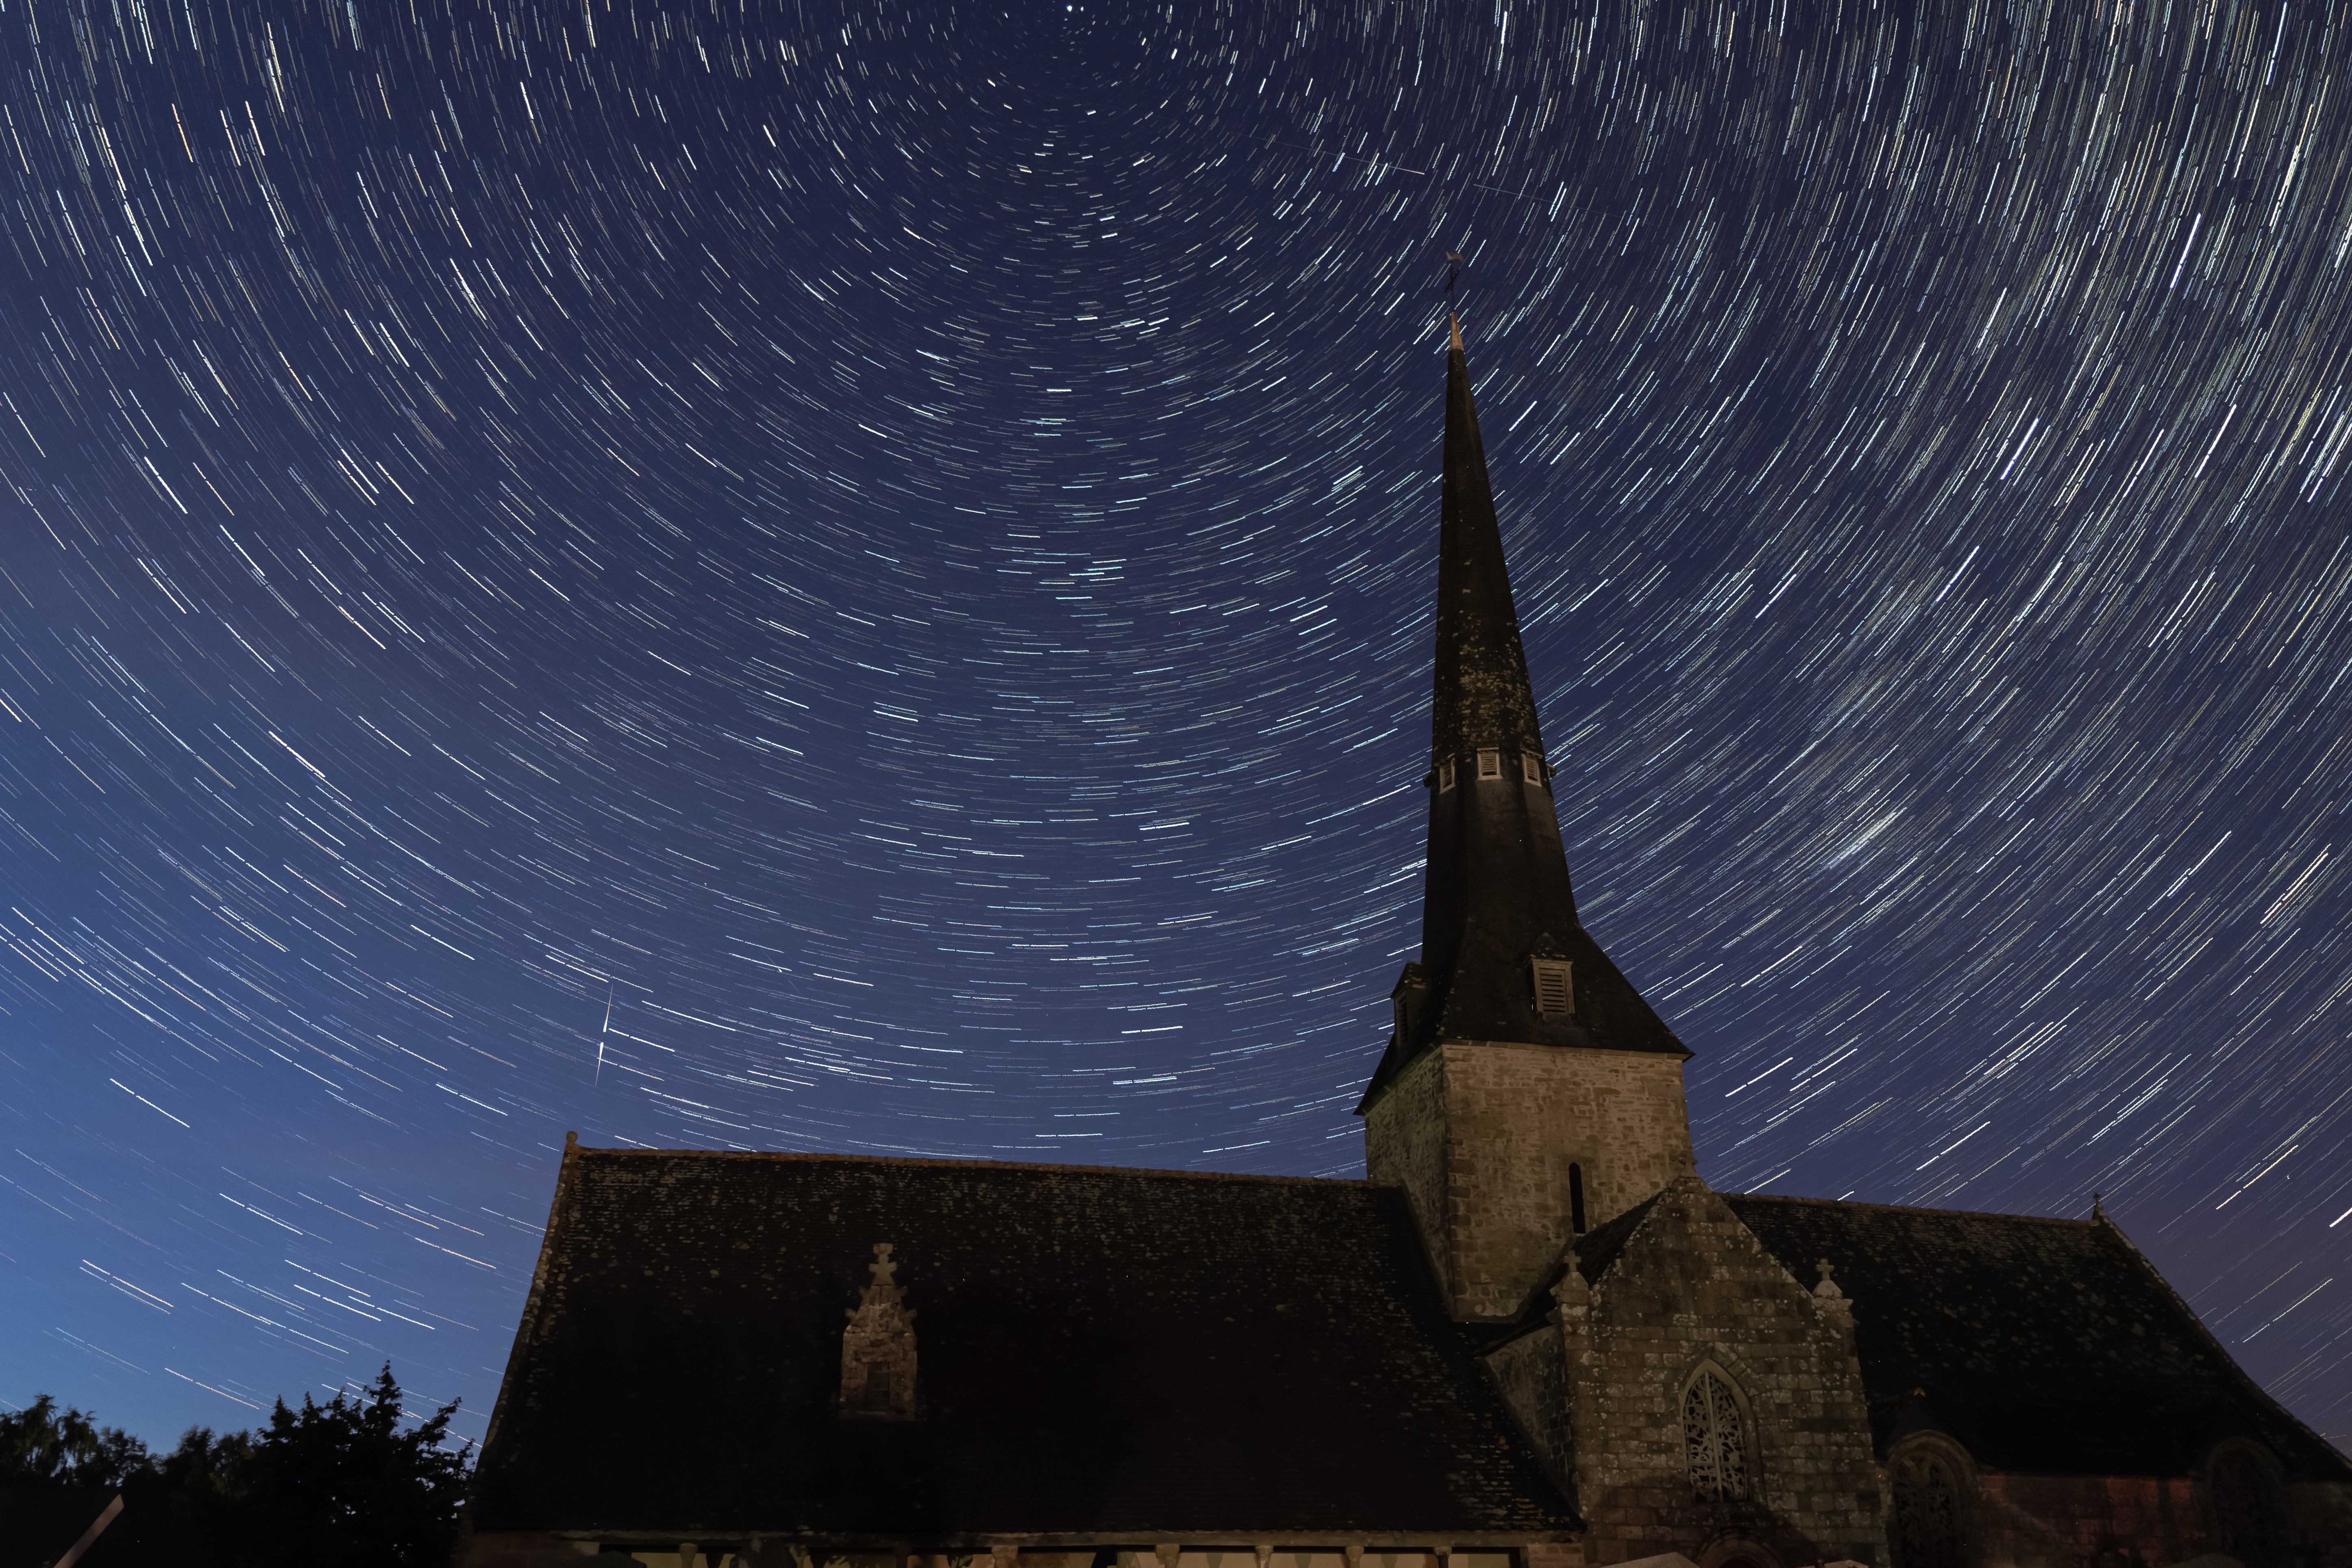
727, 574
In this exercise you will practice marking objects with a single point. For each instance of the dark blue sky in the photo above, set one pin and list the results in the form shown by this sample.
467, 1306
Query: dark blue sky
732, 574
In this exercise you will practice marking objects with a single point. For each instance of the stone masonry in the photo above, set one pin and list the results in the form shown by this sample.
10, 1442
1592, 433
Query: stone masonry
1691, 1289
878, 1348
2063, 1522
1481, 1134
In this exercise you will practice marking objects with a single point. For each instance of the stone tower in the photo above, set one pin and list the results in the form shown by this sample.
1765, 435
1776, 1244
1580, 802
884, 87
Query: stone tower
1528, 1092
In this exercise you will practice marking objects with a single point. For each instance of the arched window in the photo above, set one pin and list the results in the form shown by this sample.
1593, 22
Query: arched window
1716, 1437
1925, 1531
2245, 1507
1576, 1198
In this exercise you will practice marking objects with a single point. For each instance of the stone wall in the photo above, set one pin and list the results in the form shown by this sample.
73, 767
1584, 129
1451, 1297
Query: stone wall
2061, 1522
519, 1549
2065, 1522
1481, 1136
541, 1550
1693, 1287
1404, 1146
2320, 1516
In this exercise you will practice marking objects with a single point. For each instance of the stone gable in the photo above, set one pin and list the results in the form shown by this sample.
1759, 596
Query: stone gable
1692, 1293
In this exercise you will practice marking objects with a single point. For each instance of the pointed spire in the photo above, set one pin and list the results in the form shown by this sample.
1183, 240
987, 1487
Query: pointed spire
1482, 696
1503, 954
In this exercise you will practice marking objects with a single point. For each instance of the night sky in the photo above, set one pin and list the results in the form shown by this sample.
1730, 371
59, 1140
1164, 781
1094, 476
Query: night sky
750, 576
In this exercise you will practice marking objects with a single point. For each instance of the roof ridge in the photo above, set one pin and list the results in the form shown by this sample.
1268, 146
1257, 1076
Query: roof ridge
979, 1165
1905, 1208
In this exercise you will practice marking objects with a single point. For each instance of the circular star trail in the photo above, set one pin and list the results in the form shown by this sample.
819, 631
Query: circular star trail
859, 579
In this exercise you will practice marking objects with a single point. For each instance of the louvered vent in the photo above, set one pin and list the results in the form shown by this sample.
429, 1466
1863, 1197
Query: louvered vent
1555, 986
1490, 761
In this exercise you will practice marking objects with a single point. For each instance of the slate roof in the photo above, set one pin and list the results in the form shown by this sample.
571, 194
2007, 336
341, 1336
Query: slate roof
1496, 888
1103, 1354
1482, 696
2043, 1346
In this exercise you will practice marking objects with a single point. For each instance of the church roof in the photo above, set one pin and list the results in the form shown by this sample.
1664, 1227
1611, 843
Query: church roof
1103, 1354
2046, 1346
2040, 1345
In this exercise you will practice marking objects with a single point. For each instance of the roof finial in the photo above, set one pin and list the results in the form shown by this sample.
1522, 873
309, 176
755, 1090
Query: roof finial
2099, 1208
1452, 321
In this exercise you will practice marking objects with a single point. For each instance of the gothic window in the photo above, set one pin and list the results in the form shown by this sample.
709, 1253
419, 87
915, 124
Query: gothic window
2245, 1509
1926, 1523
1490, 761
1716, 1437
1576, 1198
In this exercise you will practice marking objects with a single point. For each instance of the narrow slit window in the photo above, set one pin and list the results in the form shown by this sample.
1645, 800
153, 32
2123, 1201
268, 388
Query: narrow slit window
1555, 986
1446, 775
1490, 761
1576, 1198
1531, 767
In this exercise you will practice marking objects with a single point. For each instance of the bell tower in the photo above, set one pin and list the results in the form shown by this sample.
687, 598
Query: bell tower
1527, 1091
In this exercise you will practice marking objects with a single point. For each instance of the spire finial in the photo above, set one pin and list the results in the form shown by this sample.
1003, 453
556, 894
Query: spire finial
1452, 321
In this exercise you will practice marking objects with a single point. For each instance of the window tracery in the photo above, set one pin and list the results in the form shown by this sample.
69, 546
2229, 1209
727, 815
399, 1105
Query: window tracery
1715, 1438
1925, 1531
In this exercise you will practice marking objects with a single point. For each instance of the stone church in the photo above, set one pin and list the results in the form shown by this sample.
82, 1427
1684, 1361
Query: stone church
1533, 1338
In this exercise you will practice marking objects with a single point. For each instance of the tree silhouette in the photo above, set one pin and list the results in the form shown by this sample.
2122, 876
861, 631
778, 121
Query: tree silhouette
346, 1482
341, 1483
44, 1445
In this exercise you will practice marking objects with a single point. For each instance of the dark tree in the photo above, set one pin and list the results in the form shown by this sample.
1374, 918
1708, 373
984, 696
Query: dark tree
44, 1445
341, 1483
205, 1465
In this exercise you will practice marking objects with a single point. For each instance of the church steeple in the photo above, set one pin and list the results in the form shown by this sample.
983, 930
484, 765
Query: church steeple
1503, 954
1482, 697
1505, 965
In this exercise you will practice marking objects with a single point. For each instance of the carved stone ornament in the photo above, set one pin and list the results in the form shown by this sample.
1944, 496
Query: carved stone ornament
878, 1348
